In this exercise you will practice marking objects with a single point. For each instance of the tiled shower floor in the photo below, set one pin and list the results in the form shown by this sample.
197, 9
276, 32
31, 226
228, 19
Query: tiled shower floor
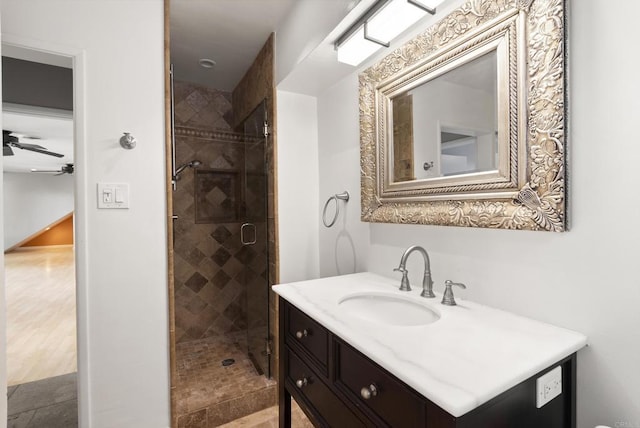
205, 386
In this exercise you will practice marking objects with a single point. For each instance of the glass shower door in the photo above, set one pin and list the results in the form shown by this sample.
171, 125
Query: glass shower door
255, 240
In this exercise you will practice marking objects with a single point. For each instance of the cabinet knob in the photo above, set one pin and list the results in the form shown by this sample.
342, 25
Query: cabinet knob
301, 383
368, 391
301, 334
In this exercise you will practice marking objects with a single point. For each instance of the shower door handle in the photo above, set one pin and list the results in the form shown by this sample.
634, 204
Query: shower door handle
242, 229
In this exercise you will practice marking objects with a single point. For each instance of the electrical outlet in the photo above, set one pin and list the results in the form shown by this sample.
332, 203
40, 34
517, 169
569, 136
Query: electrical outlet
548, 386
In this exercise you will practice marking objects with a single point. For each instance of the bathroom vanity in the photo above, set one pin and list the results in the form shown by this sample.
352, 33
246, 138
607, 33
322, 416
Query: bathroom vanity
356, 351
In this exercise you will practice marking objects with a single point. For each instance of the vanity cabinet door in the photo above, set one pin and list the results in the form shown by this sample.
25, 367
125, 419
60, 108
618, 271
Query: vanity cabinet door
304, 332
320, 400
372, 387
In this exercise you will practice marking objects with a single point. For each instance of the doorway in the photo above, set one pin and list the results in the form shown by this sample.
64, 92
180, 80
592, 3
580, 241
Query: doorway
39, 251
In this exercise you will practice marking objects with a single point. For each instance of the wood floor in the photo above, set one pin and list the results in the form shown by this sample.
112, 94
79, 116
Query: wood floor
41, 313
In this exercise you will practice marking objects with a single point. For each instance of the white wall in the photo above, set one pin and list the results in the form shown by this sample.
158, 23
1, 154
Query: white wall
304, 28
585, 279
343, 247
298, 209
32, 202
122, 267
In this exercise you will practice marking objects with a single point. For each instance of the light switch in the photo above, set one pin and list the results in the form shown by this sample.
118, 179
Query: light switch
107, 195
113, 195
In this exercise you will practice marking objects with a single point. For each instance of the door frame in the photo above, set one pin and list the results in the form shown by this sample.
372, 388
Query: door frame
81, 207
168, 131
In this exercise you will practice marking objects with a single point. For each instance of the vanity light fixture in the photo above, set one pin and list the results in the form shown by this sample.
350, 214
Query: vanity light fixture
356, 48
378, 26
428, 5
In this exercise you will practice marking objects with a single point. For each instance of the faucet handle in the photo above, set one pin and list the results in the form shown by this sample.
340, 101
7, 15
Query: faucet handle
447, 298
404, 283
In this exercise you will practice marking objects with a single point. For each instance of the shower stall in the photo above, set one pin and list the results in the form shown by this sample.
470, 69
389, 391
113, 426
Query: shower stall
221, 259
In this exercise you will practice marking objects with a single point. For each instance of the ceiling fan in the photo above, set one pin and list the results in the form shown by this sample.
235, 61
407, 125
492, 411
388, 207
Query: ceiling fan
64, 169
10, 141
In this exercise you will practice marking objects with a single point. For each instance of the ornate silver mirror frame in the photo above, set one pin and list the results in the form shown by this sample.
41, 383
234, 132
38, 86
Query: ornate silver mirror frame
527, 191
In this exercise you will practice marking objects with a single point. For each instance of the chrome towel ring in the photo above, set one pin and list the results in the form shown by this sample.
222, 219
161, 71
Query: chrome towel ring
344, 196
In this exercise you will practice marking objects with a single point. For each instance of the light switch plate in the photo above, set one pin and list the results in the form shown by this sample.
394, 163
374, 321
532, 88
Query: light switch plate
113, 195
548, 386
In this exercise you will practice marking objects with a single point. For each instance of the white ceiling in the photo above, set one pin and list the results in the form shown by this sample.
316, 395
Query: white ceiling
230, 32
53, 131
53, 128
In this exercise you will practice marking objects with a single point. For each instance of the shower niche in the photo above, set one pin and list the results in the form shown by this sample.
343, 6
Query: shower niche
217, 196
222, 259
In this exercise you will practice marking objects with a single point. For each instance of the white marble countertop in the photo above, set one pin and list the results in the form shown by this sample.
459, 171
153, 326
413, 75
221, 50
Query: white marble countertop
470, 355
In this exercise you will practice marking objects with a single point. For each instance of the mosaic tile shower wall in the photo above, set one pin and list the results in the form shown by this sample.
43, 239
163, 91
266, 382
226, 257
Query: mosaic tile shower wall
209, 298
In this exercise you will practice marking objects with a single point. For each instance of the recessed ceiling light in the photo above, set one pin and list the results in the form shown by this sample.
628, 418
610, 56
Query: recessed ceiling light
207, 63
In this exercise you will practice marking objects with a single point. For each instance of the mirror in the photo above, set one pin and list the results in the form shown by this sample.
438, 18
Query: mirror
448, 125
464, 125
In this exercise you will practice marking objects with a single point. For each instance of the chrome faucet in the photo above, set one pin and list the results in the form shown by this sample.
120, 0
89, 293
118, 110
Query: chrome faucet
427, 282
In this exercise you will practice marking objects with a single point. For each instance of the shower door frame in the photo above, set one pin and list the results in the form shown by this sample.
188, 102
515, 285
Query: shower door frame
262, 365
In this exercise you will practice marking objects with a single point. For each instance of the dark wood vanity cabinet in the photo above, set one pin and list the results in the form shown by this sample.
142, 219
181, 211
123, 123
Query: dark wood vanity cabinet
338, 386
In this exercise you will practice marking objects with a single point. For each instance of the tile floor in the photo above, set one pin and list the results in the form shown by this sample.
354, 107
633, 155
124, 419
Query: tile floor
207, 390
268, 418
52, 403
47, 403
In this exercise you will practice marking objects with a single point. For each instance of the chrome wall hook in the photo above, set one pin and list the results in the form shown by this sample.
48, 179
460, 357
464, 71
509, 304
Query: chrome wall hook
128, 141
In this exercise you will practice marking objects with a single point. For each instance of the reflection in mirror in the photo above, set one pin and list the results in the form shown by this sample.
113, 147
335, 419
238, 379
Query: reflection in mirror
448, 125
466, 151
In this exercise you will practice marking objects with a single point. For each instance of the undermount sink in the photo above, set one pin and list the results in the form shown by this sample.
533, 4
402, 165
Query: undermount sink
388, 309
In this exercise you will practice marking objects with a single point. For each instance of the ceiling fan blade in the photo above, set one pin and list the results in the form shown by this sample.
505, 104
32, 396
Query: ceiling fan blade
65, 169
31, 146
34, 149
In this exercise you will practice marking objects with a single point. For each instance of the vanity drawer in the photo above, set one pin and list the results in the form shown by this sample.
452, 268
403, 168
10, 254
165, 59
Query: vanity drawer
308, 334
323, 402
393, 402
